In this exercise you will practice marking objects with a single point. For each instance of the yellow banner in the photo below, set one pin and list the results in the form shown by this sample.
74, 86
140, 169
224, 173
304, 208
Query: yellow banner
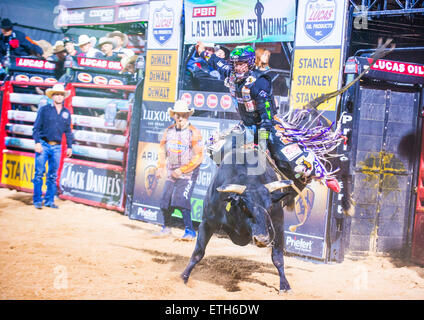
18, 171
315, 72
160, 83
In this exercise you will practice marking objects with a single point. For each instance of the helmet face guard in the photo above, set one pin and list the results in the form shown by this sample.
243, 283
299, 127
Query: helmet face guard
243, 54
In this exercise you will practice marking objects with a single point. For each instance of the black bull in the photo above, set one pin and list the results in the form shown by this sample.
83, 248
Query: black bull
246, 201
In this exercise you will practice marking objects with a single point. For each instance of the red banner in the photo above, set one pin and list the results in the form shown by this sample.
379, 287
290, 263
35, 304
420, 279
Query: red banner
409, 69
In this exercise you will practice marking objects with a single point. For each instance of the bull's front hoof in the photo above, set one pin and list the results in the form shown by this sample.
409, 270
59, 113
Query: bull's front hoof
184, 278
285, 292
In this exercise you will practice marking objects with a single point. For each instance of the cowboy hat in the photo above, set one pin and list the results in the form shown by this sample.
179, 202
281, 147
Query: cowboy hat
6, 24
84, 39
180, 106
57, 88
104, 40
58, 47
123, 36
45, 46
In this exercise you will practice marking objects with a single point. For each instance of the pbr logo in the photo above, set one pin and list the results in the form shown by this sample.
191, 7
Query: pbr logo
320, 18
163, 24
150, 181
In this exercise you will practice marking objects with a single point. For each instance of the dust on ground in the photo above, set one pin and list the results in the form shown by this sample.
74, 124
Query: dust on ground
82, 252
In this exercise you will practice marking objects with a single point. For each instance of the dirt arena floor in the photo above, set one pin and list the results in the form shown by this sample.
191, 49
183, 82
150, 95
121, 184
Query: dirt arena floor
81, 252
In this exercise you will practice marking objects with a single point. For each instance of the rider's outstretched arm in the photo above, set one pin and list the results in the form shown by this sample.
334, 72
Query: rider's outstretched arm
219, 64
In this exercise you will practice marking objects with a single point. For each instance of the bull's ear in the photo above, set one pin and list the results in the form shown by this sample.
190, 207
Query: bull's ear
277, 185
235, 188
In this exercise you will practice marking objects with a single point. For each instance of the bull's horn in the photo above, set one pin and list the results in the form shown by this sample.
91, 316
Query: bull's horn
236, 188
272, 186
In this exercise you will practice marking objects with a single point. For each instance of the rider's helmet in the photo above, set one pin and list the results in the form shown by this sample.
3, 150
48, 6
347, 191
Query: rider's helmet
243, 54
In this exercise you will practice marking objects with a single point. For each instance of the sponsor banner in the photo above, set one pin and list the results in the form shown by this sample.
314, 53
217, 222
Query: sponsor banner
164, 25
26, 77
100, 64
212, 101
308, 239
71, 4
222, 21
99, 103
208, 168
409, 69
320, 23
92, 183
97, 153
104, 79
39, 65
388, 70
94, 122
161, 75
132, 13
18, 171
99, 137
25, 98
22, 143
315, 72
19, 129
147, 187
21, 115
102, 15
155, 119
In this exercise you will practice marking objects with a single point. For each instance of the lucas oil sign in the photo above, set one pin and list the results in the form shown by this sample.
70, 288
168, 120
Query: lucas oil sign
222, 21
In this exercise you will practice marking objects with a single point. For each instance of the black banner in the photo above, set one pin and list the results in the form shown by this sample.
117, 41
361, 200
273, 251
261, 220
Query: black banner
93, 184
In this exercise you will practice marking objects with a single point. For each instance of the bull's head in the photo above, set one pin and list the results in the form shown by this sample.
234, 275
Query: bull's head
253, 207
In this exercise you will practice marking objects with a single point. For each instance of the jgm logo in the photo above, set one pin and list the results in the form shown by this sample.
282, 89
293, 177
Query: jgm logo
320, 18
163, 24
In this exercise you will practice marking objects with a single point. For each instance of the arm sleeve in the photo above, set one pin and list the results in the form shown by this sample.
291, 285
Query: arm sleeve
38, 125
28, 44
68, 133
197, 146
263, 99
162, 151
221, 65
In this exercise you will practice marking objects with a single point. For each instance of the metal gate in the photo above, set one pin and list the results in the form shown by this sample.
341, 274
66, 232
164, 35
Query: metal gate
384, 157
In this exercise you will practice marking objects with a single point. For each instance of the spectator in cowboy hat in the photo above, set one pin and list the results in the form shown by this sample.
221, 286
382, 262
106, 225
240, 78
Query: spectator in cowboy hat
121, 43
129, 64
181, 151
86, 45
106, 46
53, 120
60, 56
70, 47
15, 42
